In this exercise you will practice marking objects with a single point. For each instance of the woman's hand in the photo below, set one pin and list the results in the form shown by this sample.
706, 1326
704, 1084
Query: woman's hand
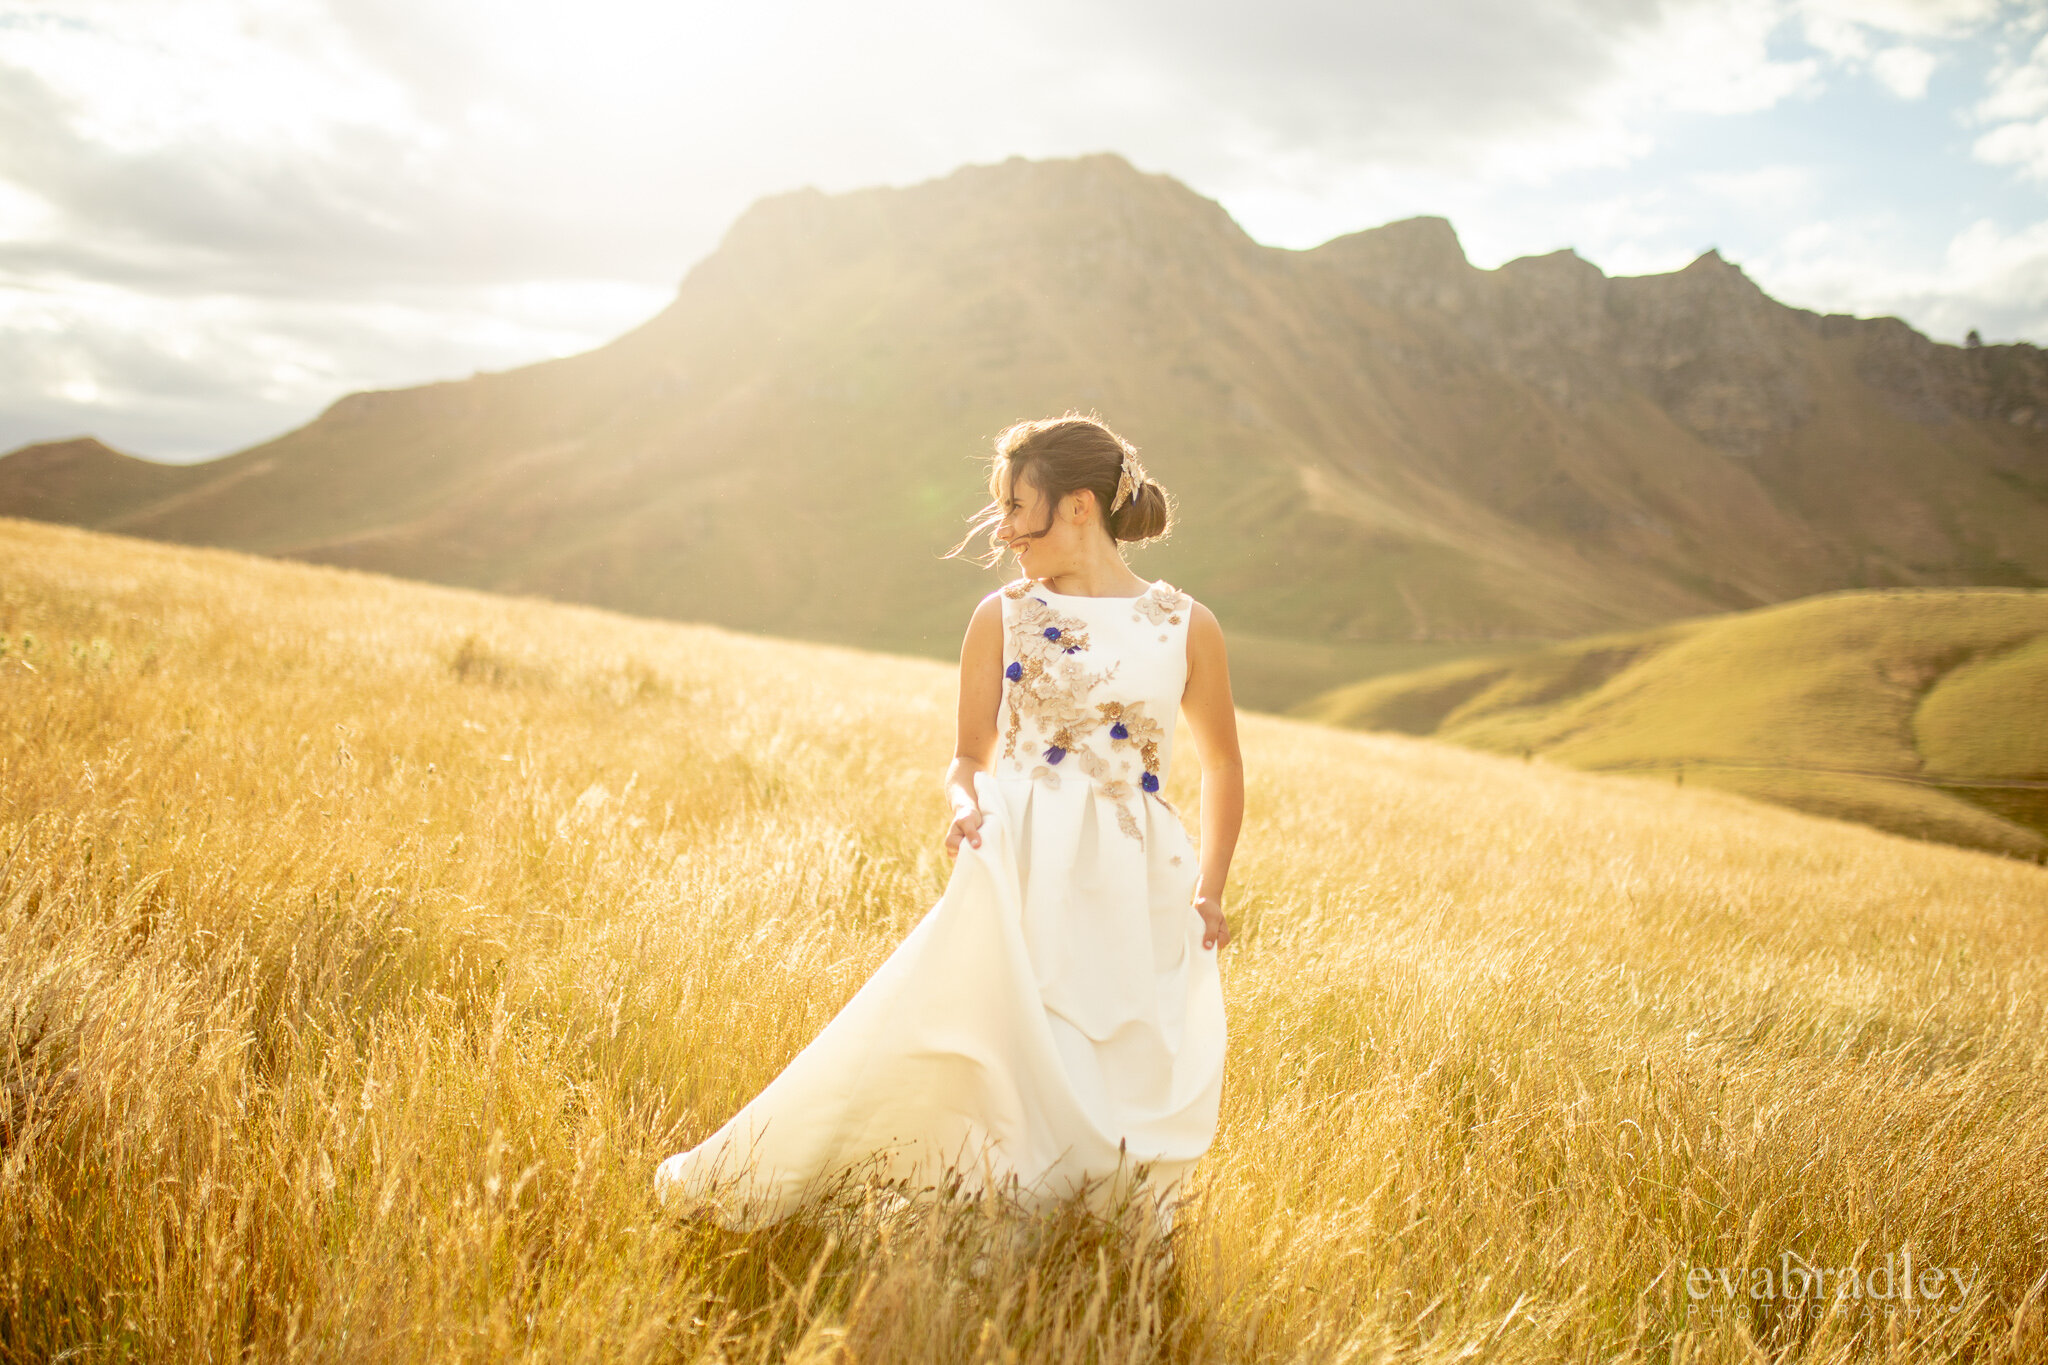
1215, 928
966, 825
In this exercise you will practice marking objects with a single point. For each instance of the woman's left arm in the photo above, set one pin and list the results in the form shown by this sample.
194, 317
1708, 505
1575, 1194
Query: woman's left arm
1212, 718
981, 689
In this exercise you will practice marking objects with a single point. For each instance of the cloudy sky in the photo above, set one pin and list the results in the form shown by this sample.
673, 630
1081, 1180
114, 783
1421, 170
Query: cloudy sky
218, 215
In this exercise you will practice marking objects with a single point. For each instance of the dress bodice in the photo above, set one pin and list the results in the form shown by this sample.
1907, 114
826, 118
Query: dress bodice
1092, 688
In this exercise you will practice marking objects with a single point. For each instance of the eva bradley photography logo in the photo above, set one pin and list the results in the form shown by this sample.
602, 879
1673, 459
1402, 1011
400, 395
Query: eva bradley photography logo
1894, 1285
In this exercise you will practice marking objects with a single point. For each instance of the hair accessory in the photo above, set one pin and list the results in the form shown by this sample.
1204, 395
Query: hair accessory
1128, 482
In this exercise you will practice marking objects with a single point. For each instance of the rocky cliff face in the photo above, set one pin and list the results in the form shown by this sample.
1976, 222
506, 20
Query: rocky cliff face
1370, 441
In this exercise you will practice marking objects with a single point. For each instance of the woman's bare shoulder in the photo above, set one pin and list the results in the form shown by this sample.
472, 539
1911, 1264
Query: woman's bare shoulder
1205, 632
987, 617
1198, 615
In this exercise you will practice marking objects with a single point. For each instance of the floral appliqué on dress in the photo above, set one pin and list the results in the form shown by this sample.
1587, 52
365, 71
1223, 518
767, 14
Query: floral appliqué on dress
1048, 683
1163, 606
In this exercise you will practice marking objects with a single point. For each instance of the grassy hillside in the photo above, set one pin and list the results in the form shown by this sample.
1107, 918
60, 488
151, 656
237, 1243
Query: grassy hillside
1920, 711
1374, 443
363, 946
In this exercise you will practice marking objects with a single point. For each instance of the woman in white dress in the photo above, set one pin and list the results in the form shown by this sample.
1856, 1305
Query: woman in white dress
1053, 1026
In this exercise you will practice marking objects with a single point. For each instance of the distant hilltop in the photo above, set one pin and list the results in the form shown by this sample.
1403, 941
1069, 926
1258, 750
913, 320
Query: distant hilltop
1917, 710
1371, 441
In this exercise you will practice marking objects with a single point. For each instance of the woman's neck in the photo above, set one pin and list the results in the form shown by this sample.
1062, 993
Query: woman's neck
1109, 577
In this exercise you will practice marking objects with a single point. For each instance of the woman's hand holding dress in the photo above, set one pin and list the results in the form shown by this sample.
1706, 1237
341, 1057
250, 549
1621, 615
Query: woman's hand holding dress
966, 825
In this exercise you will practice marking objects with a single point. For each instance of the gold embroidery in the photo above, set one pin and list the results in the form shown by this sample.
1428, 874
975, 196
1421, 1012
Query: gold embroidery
1046, 679
1140, 731
1047, 683
1035, 618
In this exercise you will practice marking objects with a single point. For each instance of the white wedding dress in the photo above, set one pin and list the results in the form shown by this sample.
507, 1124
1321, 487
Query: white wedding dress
1053, 1024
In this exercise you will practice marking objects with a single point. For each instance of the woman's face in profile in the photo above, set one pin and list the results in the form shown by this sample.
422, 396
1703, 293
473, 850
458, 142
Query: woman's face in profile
1025, 510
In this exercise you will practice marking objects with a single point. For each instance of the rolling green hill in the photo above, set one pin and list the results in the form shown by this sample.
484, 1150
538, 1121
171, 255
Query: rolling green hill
1374, 443
1923, 711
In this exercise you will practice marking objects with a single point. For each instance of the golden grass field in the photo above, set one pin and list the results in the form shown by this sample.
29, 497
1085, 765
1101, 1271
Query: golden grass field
363, 946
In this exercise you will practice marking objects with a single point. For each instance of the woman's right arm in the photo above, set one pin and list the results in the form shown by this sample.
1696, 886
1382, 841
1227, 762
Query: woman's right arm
1212, 719
981, 693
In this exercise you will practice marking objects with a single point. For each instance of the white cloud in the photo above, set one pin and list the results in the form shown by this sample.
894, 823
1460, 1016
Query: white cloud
1988, 278
2018, 88
24, 215
1904, 70
2021, 145
1781, 186
1899, 18
1447, 110
1859, 33
2016, 102
185, 377
1712, 59
1991, 279
137, 78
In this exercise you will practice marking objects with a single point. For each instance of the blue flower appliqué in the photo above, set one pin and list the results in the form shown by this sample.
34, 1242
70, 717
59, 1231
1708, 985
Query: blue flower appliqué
1014, 671
1117, 731
1056, 753
1150, 782
1051, 632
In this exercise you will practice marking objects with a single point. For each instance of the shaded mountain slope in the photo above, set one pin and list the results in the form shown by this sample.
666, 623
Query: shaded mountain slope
85, 482
1371, 442
1921, 711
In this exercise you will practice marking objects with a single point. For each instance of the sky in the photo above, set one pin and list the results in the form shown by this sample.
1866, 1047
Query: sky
217, 216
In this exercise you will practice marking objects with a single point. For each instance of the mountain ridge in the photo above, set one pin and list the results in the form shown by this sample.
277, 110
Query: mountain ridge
1371, 440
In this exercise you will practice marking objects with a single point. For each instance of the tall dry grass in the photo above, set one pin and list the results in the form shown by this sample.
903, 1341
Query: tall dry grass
364, 945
